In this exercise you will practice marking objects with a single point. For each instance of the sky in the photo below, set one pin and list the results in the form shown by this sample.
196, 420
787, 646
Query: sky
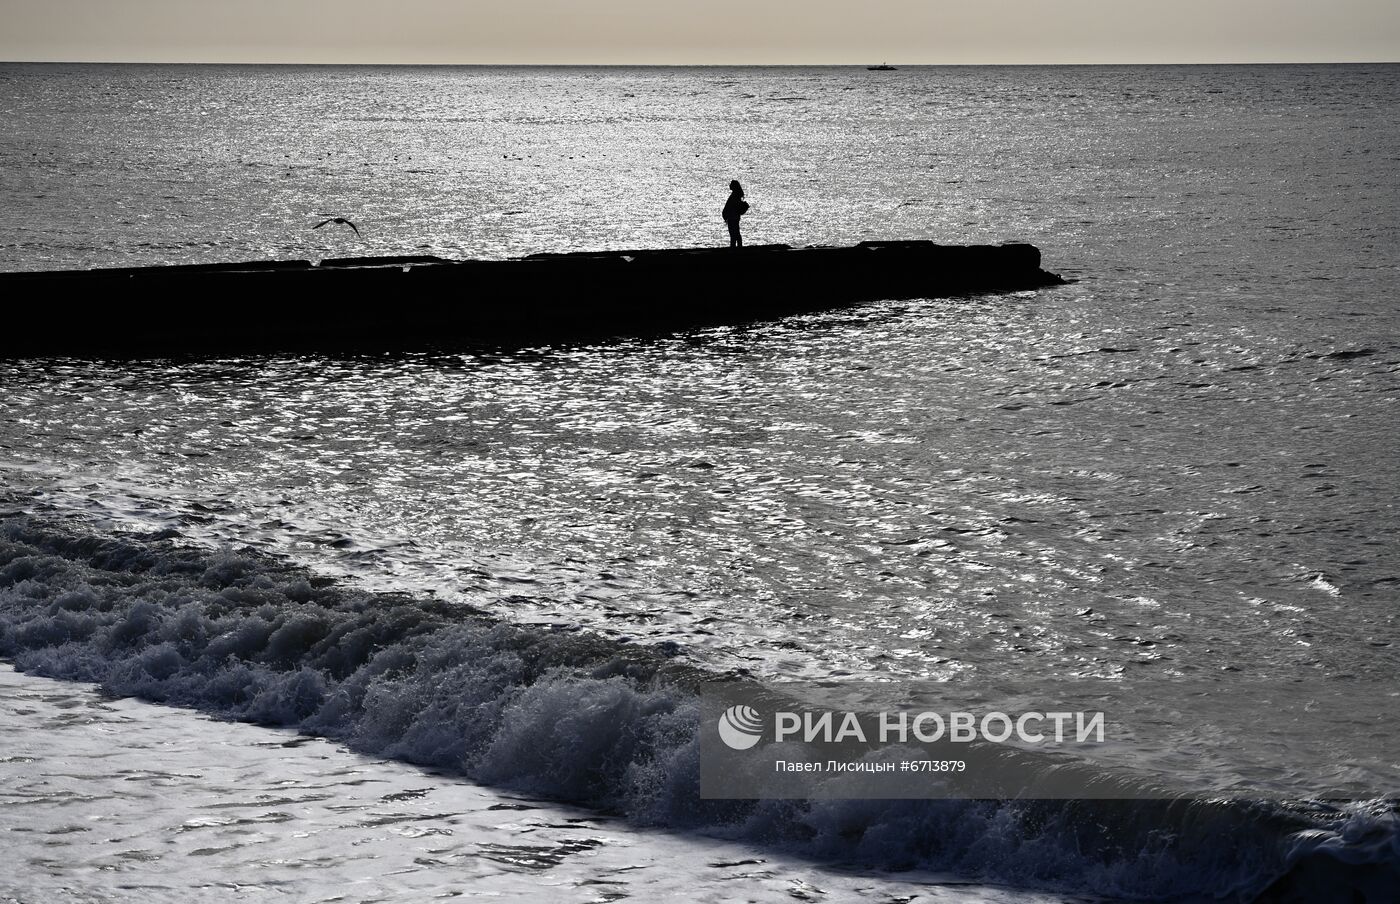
710, 32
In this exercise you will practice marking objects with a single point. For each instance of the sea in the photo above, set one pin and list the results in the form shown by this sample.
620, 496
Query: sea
430, 624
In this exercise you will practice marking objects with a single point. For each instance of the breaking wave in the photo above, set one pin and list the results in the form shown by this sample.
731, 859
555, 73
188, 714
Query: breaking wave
572, 716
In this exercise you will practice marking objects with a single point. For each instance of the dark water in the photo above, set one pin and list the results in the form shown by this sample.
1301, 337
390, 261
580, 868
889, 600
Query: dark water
1181, 464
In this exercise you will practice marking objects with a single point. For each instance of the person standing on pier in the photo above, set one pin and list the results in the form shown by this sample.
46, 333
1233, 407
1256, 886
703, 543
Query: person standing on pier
735, 208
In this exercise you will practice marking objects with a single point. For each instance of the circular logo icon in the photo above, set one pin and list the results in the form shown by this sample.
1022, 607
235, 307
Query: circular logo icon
740, 727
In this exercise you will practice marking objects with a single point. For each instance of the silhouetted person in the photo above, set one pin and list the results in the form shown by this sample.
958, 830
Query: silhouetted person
735, 208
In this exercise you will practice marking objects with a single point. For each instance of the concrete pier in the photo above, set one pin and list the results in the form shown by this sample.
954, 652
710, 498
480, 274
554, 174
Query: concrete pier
395, 303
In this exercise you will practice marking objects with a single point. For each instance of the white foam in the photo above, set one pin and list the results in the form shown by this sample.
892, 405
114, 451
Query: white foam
573, 717
119, 801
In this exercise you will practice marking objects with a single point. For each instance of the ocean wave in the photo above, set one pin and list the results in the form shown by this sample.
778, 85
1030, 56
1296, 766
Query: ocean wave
577, 717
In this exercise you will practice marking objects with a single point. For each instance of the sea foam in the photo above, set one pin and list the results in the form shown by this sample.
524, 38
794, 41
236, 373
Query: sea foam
580, 718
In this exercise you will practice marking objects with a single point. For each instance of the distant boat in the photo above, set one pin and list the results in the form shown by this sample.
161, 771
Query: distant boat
883, 67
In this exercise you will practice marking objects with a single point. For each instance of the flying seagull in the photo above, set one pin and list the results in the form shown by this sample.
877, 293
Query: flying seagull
340, 220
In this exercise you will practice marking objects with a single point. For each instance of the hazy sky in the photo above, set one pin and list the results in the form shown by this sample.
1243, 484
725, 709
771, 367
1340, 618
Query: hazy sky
714, 31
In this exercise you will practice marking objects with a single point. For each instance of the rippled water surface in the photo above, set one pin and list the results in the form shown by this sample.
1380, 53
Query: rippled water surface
1183, 461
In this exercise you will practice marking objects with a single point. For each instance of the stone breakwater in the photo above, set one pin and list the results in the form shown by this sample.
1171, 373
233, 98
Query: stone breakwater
389, 303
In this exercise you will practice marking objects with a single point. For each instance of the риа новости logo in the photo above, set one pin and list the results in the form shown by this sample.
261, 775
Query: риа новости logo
740, 727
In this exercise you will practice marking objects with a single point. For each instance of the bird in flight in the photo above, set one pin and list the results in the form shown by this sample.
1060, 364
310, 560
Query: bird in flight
340, 220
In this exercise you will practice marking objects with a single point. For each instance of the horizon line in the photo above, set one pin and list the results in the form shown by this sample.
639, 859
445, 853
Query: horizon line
578, 65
